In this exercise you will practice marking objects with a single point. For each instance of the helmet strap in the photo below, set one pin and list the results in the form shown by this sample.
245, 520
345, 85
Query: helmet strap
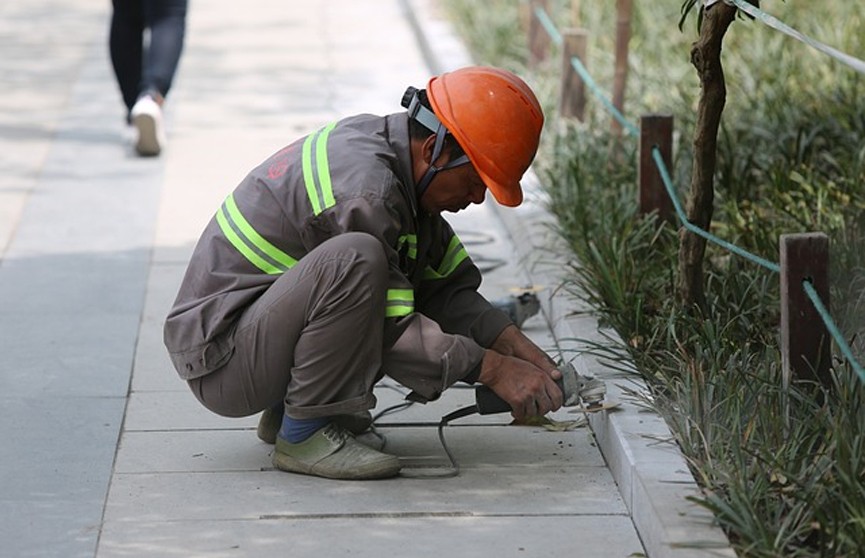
432, 170
425, 116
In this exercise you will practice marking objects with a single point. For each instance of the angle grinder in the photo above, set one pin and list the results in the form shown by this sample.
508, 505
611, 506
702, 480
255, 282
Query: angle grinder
575, 388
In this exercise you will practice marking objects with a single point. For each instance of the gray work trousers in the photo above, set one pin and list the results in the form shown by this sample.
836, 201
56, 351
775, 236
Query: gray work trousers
313, 338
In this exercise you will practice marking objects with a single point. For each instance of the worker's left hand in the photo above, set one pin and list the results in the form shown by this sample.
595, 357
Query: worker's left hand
528, 390
513, 342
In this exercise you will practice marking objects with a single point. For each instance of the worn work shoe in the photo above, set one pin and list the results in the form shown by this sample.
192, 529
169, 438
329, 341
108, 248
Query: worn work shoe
332, 452
269, 424
357, 423
147, 118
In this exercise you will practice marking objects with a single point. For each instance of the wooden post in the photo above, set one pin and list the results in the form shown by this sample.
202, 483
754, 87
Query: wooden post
624, 8
805, 341
656, 130
539, 39
572, 100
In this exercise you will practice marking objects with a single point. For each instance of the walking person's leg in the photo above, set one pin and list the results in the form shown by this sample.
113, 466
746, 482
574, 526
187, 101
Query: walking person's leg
166, 21
125, 48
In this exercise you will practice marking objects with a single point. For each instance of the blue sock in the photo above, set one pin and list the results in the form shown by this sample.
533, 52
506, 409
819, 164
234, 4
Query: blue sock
297, 430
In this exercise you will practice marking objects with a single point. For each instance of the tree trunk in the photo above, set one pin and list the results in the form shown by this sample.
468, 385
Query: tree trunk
706, 58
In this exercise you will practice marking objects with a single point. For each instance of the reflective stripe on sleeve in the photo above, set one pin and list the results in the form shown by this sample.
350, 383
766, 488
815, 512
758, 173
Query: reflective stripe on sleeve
411, 241
316, 170
400, 302
254, 247
454, 256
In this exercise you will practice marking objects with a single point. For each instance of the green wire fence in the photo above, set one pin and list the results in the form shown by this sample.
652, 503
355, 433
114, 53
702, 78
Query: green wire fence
556, 37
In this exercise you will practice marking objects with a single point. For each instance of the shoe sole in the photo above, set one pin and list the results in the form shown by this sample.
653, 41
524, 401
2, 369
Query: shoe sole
148, 141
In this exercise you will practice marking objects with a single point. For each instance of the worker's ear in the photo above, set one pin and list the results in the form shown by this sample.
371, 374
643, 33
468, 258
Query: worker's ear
427, 152
427, 149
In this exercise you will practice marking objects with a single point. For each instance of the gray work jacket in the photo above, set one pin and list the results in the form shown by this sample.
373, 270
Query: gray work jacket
352, 175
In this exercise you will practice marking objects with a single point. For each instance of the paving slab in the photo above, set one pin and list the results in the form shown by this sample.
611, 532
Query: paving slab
476, 446
164, 411
54, 469
153, 369
215, 496
373, 536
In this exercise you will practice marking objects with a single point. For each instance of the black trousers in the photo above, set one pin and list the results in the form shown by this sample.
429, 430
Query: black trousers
141, 67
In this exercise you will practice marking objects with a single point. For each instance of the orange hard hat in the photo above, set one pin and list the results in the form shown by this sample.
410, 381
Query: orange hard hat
496, 119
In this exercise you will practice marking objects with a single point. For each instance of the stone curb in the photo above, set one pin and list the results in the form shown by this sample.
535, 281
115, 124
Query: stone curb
652, 475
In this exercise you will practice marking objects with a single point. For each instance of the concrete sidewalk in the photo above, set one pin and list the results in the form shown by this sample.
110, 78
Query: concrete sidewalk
105, 451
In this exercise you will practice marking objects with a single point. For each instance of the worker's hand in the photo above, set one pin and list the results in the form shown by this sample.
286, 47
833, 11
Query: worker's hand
513, 342
529, 390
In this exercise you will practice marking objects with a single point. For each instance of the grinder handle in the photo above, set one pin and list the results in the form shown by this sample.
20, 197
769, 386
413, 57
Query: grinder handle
489, 403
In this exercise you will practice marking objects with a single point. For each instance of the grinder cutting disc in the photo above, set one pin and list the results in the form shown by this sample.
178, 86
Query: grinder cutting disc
595, 407
587, 390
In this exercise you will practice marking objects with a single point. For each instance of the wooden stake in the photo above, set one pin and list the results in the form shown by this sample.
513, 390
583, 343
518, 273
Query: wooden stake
805, 341
655, 131
572, 100
539, 39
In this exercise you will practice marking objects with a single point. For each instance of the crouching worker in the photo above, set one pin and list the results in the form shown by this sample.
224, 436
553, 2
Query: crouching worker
330, 266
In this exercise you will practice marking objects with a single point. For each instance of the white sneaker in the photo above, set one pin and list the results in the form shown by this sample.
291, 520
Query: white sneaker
147, 118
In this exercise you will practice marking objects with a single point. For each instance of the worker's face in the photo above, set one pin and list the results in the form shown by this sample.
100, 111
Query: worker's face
453, 190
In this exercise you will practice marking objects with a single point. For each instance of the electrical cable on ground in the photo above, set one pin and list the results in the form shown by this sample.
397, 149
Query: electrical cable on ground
424, 472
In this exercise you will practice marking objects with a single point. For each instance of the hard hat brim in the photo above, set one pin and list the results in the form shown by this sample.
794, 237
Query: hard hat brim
509, 195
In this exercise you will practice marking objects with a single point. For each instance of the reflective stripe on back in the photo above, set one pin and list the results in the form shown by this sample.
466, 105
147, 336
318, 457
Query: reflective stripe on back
316, 170
254, 247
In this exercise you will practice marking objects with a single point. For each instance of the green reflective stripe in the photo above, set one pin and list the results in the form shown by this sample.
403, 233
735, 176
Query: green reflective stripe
400, 302
241, 246
411, 239
256, 239
398, 311
401, 295
316, 170
454, 256
430, 274
323, 166
308, 179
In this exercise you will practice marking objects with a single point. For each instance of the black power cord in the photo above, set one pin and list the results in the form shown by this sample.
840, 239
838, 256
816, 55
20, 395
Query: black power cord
454, 468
